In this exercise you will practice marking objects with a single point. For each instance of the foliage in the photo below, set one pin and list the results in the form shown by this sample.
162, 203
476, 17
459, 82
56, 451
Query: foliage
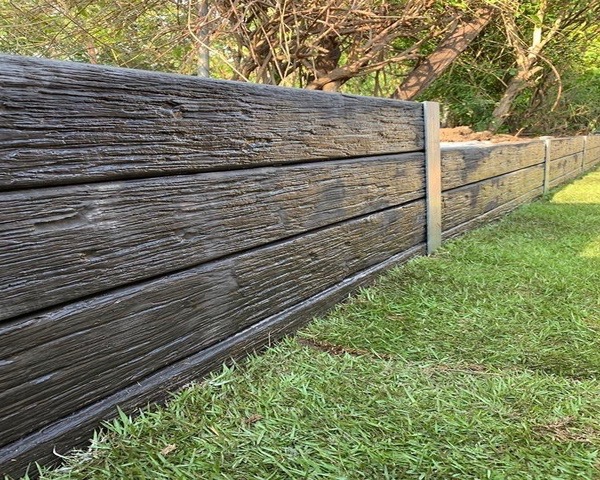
559, 97
469, 90
578, 108
148, 34
510, 77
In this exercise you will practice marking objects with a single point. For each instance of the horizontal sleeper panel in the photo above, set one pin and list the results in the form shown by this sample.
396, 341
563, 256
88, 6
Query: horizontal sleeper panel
592, 156
466, 203
56, 362
593, 141
66, 122
565, 165
464, 164
61, 243
76, 429
493, 214
567, 177
562, 147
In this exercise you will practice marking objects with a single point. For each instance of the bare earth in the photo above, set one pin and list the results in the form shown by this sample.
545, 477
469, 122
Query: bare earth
466, 134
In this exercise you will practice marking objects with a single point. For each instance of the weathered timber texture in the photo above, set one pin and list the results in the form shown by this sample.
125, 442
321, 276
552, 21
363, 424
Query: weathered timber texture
76, 429
593, 141
62, 360
148, 219
65, 123
465, 164
463, 204
592, 151
61, 243
592, 157
562, 147
565, 178
154, 226
493, 214
565, 167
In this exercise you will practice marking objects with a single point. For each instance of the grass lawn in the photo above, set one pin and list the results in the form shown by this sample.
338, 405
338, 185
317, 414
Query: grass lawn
480, 362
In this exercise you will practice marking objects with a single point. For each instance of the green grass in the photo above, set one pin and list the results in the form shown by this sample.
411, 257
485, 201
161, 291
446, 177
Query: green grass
480, 362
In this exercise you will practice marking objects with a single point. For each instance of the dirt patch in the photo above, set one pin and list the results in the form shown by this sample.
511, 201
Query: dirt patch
563, 430
168, 449
466, 134
252, 419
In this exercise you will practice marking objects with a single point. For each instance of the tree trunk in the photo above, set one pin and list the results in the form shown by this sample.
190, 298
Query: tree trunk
442, 57
515, 86
92, 51
502, 111
204, 39
527, 60
325, 66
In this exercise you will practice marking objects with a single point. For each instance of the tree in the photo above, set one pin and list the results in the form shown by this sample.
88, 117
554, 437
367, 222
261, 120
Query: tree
321, 46
149, 34
532, 28
203, 39
302, 43
494, 63
461, 34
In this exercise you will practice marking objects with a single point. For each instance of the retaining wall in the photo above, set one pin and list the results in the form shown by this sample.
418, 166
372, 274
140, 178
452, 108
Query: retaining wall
154, 226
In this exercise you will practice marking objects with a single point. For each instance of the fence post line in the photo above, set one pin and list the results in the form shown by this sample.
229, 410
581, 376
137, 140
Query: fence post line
547, 150
433, 175
585, 140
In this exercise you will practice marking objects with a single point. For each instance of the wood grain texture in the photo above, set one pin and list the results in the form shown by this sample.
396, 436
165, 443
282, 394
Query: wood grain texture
56, 362
593, 141
464, 164
592, 157
466, 203
236, 243
58, 244
65, 123
493, 214
567, 177
562, 147
76, 429
571, 164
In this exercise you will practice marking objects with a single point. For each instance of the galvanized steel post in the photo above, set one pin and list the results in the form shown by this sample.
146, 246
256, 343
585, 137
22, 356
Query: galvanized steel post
433, 175
548, 148
585, 139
